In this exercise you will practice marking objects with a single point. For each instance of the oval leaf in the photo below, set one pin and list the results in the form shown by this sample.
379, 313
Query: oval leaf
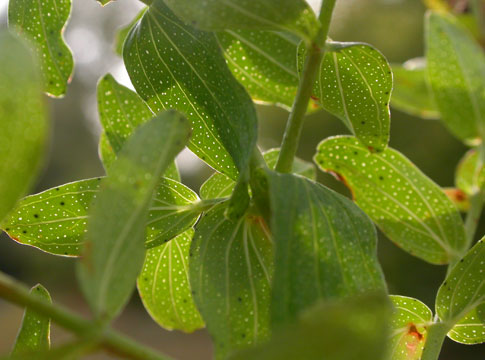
173, 65
23, 121
231, 266
42, 23
325, 246
114, 248
407, 206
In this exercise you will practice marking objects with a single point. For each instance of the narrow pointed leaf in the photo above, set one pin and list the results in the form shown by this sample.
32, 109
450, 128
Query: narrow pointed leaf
409, 208
325, 246
231, 266
355, 83
114, 248
173, 65
408, 328
34, 335
42, 23
461, 298
411, 93
123, 32
23, 121
470, 174
456, 73
344, 330
295, 16
164, 286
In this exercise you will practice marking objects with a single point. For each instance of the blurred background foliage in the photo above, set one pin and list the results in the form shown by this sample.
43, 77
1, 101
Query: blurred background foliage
395, 27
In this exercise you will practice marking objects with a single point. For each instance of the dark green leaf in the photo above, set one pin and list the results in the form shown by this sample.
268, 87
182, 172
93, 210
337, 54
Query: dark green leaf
348, 330
42, 24
114, 248
456, 72
354, 84
408, 328
406, 205
231, 266
325, 246
461, 298
411, 93
122, 33
300, 167
295, 16
470, 174
174, 66
34, 335
164, 285
23, 121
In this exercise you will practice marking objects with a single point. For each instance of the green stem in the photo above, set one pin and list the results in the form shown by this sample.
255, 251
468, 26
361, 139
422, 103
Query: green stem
313, 60
19, 294
473, 216
434, 341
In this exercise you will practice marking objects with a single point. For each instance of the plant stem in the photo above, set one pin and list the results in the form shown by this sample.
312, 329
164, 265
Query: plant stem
313, 60
434, 341
17, 293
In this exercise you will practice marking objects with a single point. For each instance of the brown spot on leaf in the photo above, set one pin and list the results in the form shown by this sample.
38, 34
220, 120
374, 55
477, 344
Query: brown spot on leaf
342, 179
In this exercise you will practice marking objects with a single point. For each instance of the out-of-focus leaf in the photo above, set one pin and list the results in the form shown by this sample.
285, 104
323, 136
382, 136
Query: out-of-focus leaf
343, 330
122, 33
325, 246
173, 65
34, 335
406, 205
461, 298
459, 198
456, 72
411, 93
104, 2
408, 328
23, 121
55, 220
114, 248
295, 16
354, 83
164, 285
231, 266
105, 151
42, 24
470, 173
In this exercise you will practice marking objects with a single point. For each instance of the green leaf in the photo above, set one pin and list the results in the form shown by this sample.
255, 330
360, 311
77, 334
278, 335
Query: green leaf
34, 335
354, 83
470, 174
164, 285
173, 65
55, 220
114, 248
231, 266
105, 151
220, 186
23, 121
456, 72
408, 328
461, 298
104, 2
42, 23
409, 208
411, 93
295, 16
264, 62
325, 246
344, 330
122, 33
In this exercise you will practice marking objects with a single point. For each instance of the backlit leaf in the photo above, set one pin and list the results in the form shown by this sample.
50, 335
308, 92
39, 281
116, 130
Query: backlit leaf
409, 208
408, 328
343, 330
34, 335
122, 33
231, 266
173, 65
411, 93
456, 72
114, 248
461, 298
295, 16
470, 174
164, 285
325, 246
42, 23
354, 83
23, 121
